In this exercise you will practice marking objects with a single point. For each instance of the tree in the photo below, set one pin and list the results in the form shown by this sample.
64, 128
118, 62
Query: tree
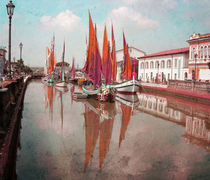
59, 64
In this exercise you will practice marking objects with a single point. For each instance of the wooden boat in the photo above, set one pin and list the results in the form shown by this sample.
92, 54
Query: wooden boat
3, 89
127, 87
61, 84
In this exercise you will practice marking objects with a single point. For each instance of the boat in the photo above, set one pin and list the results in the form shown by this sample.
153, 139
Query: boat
3, 89
62, 83
127, 87
130, 85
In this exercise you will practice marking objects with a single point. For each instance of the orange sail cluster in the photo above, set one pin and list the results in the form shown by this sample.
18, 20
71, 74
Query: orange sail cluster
95, 67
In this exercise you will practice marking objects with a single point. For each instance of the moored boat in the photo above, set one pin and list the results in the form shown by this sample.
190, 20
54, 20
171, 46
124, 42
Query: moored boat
127, 87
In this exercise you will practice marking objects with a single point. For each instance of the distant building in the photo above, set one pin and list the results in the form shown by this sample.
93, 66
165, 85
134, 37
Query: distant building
199, 56
135, 54
164, 65
2, 60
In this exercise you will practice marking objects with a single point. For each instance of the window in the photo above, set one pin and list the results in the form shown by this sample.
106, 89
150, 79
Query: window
142, 65
205, 52
175, 63
146, 65
162, 64
202, 52
209, 51
169, 64
151, 65
175, 76
157, 64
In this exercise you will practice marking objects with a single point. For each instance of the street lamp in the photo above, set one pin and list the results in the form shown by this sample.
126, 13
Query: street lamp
10, 10
21, 46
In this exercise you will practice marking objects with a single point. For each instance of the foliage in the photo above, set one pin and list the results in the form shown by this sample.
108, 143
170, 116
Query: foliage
22, 67
59, 64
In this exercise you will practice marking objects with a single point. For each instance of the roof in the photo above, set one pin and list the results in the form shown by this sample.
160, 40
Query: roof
168, 52
131, 47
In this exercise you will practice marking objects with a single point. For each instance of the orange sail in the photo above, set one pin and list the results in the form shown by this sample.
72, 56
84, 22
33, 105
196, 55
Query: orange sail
127, 73
105, 47
106, 62
113, 58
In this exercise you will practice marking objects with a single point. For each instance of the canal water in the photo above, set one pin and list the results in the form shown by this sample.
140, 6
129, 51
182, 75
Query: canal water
138, 137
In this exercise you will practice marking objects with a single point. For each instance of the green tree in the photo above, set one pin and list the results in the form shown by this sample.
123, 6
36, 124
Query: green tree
59, 64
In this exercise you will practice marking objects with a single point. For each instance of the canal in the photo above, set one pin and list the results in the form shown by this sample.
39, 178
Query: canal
155, 137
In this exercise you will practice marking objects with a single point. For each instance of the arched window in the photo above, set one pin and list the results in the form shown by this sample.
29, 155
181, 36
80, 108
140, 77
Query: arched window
169, 64
162, 64
205, 52
142, 65
146, 65
209, 51
157, 64
175, 63
201, 52
151, 65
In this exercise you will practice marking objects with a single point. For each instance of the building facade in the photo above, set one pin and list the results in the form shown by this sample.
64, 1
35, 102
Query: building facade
164, 65
135, 54
2, 60
199, 56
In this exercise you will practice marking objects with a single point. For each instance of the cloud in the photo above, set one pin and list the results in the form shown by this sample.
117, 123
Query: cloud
152, 6
66, 21
125, 17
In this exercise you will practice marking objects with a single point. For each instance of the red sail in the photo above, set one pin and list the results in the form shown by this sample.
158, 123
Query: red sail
113, 58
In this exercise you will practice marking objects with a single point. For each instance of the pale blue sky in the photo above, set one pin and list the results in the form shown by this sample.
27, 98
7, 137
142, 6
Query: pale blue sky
149, 25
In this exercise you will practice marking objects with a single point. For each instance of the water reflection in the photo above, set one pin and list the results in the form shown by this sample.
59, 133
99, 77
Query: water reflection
50, 93
138, 137
195, 118
99, 118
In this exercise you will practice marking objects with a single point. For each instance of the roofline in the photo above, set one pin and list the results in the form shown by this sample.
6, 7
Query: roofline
157, 55
133, 48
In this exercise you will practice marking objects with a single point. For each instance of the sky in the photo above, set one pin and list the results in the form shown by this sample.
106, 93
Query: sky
149, 25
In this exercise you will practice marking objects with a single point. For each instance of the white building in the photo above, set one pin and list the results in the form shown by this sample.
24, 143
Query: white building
164, 65
135, 54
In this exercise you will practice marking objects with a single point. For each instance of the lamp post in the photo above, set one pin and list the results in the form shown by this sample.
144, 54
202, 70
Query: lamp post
10, 10
21, 46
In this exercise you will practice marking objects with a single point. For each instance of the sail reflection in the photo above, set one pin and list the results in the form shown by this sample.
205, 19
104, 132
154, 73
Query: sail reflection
126, 114
99, 120
49, 99
50, 94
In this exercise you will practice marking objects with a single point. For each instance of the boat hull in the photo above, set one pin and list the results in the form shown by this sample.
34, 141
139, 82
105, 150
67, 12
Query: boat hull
61, 84
128, 87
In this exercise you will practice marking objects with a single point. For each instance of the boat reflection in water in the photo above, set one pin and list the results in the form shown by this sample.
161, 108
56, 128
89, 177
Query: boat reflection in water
99, 119
50, 94
195, 117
